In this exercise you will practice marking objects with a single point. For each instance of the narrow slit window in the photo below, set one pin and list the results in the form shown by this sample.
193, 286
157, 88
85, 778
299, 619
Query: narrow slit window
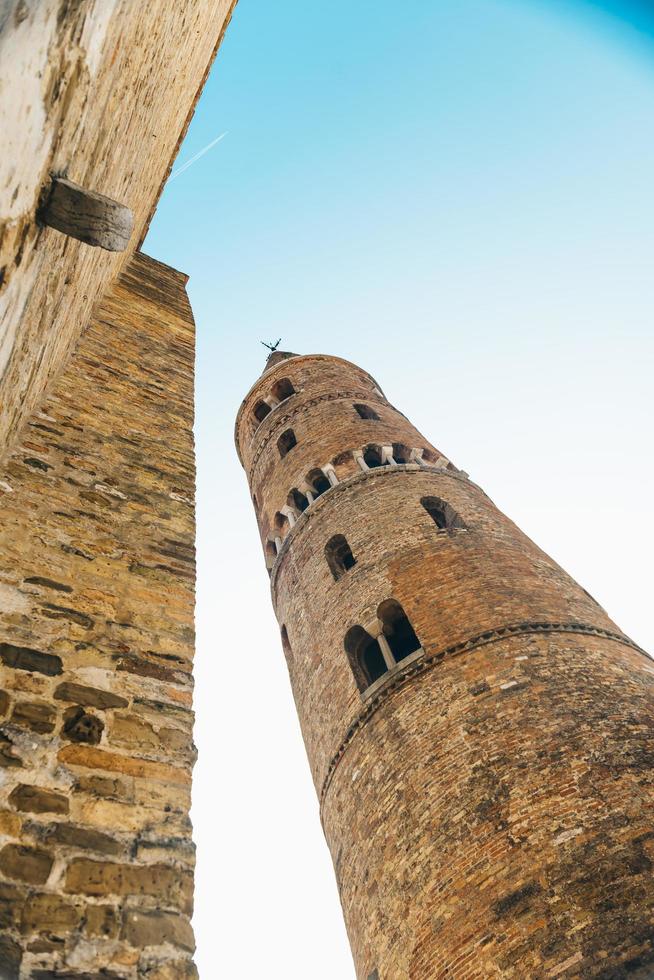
339, 556
366, 412
286, 646
286, 442
442, 514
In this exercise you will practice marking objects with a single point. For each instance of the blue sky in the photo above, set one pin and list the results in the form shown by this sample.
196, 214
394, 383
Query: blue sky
456, 195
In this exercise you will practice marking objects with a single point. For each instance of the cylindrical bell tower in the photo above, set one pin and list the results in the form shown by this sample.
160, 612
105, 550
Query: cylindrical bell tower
480, 733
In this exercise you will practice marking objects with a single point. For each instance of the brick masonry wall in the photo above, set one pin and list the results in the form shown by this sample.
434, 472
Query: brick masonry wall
96, 646
488, 809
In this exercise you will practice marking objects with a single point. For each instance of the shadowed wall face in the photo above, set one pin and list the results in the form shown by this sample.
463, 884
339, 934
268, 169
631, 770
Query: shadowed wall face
96, 645
479, 731
100, 91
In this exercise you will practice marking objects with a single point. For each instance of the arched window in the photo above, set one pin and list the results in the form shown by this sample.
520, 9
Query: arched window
281, 521
261, 409
365, 656
286, 442
398, 631
286, 646
297, 500
366, 412
444, 517
429, 456
339, 556
373, 457
317, 479
271, 554
401, 453
283, 389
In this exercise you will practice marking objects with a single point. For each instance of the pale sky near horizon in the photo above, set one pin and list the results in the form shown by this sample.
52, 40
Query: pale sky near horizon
458, 199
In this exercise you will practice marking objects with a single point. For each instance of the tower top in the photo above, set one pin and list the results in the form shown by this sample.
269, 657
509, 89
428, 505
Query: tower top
275, 357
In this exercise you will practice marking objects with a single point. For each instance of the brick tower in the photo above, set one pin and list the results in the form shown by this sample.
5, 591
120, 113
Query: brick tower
480, 733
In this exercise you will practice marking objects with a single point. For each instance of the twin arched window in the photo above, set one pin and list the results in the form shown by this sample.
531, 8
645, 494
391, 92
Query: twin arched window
371, 657
280, 391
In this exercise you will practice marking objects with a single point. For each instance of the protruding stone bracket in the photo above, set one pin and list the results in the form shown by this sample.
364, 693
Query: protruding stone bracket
87, 216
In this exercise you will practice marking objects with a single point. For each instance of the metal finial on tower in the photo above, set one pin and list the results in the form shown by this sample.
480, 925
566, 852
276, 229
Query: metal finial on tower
272, 347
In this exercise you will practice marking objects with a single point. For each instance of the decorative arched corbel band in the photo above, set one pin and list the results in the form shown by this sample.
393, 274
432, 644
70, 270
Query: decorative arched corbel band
429, 660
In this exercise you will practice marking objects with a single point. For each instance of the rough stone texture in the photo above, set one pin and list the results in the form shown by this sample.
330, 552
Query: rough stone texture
96, 643
489, 807
100, 92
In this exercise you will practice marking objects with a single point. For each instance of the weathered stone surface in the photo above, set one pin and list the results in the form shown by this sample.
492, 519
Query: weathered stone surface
88, 216
11, 956
49, 914
169, 885
82, 726
11, 905
9, 758
10, 823
35, 715
89, 697
122, 470
102, 921
24, 658
154, 928
91, 758
36, 799
72, 68
82, 837
30, 864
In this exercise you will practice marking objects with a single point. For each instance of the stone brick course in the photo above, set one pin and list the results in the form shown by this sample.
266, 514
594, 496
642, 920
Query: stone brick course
488, 802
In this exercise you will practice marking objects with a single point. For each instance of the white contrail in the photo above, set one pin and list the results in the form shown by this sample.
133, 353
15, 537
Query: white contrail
197, 156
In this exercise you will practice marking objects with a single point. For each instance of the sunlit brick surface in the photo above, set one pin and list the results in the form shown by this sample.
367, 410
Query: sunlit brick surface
489, 809
96, 646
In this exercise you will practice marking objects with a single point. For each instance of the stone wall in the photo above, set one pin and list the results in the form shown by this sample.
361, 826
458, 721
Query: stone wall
489, 803
102, 91
96, 646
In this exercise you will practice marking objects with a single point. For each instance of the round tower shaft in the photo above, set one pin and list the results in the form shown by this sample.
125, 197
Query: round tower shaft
480, 733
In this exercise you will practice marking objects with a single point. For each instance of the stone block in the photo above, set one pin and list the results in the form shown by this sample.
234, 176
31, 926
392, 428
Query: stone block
155, 928
29, 864
89, 697
169, 885
102, 921
49, 914
36, 799
35, 715
11, 956
92, 840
